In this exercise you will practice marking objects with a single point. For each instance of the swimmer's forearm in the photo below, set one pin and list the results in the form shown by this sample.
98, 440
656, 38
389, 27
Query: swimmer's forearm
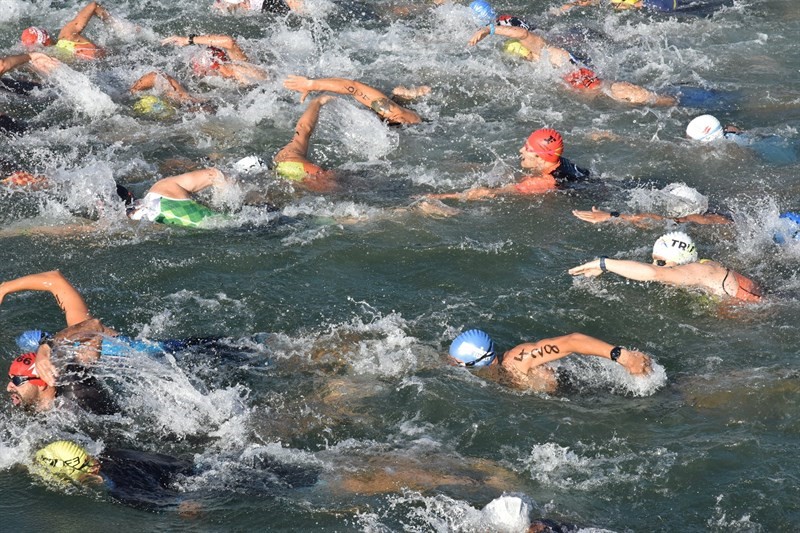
68, 298
631, 269
12, 62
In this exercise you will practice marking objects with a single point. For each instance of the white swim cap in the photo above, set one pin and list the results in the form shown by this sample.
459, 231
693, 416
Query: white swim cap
683, 200
251, 163
704, 128
507, 513
676, 247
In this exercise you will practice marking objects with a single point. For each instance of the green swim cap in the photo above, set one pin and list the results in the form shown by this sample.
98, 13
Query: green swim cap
515, 48
154, 106
63, 460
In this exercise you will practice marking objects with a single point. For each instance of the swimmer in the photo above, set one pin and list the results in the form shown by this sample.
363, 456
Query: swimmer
278, 7
173, 93
383, 106
70, 39
541, 156
34, 383
774, 149
169, 200
221, 56
532, 47
292, 163
525, 365
685, 205
675, 262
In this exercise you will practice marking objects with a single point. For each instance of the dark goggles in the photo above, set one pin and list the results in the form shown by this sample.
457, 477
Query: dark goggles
479, 359
19, 380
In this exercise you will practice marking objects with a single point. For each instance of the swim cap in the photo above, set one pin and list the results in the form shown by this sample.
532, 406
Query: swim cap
515, 48
251, 163
790, 228
154, 106
704, 128
473, 348
33, 36
29, 340
683, 200
482, 12
631, 2
508, 20
63, 460
25, 365
209, 59
583, 78
676, 247
546, 143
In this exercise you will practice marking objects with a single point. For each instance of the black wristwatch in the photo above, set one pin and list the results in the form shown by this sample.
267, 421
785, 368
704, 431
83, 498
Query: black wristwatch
603, 263
616, 351
191, 38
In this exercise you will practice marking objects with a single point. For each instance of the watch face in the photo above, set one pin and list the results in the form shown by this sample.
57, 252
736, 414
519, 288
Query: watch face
616, 351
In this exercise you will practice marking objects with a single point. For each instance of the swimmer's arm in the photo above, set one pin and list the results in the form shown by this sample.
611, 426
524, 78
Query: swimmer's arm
512, 32
176, 92
81, 20
298, 146
360, 91
478, 193
182, 185
569, 5
11, 62
68, 298
43, 64
226, 42
691, 275
547, 350
146, 82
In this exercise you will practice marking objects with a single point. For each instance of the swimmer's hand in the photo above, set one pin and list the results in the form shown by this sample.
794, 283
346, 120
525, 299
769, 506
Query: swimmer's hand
478, 36
637, 363
410, 93
44, 366
300, 84
590, 270
433, 208
43, 64
594, 216
175, 40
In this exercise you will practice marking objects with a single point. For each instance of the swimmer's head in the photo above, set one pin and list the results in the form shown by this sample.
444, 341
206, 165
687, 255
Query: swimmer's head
23, 370
64, 460
153, 106
473, 348
515, 48
546, 143
675, 247
249, 164
208, 60
789, 229
508, 20
29, 340
34, 36
482, 12
704, 128
683, 200
583, 78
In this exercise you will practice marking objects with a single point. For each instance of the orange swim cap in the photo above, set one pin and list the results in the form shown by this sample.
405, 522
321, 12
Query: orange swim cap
25, 366
33, 36
546, 143
583, 78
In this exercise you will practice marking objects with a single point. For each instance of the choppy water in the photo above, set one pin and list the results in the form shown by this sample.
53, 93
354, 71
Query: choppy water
336, 326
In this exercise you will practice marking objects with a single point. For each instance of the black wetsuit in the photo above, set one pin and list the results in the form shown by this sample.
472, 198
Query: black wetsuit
142, 479
78, 385
568, 174
278, 7
10, 125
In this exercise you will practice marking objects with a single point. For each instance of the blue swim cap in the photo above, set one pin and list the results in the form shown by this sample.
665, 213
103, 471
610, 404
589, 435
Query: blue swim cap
482, 12
473, 348
29, 340
789, 230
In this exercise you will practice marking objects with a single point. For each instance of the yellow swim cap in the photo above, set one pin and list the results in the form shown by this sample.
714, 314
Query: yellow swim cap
154, 106
515, 48
631, 2
63, 460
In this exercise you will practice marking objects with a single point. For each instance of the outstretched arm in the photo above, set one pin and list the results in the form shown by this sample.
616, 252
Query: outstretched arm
533, 354
81, 20
360, 91
225, 42
478, 193
298, 146
183, 185
705, 275
596, 216
11, 62
175, 91
68, 298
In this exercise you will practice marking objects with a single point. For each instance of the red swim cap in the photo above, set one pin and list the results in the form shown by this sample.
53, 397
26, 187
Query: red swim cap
33, 36
25, 365
546, 143
583, 79
209, 59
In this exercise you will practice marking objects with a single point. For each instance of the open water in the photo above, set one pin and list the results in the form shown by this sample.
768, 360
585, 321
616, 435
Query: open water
338, 308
